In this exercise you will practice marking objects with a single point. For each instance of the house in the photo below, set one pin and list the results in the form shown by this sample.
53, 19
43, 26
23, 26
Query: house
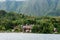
27, 28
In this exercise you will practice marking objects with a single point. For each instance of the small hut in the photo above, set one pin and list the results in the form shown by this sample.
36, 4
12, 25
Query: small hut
27, 28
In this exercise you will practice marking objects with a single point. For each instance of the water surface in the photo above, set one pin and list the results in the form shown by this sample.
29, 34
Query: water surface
28, 36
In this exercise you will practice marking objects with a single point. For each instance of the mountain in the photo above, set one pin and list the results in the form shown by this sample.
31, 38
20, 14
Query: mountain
34, 8
41, 7
11, 5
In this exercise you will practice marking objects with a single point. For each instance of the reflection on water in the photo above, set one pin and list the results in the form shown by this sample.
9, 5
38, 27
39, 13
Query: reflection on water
28, 36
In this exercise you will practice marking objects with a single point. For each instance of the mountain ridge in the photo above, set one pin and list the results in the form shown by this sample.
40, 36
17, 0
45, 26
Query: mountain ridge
30, 7
41, 7
11, 5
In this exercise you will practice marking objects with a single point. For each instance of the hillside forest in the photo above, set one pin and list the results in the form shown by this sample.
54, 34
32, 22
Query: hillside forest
10, 21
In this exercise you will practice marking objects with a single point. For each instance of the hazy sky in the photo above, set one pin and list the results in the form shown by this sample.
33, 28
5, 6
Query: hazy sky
2, 0
12, 0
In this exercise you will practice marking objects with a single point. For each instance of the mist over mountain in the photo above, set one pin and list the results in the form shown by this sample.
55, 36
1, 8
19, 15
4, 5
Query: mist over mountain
41, 7
33, 7
11, 5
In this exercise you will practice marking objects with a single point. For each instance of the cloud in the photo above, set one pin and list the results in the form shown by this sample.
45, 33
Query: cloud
20, 0
12, 0
2, 0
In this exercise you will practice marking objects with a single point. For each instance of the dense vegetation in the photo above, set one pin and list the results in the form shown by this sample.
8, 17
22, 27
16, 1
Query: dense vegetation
10, 21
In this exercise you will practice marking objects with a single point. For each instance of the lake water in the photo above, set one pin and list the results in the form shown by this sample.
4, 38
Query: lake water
28, 36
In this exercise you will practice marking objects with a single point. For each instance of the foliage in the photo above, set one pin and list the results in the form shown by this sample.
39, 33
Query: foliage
11, 20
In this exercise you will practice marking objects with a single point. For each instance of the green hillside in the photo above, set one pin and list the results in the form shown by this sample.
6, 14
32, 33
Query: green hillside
11, 20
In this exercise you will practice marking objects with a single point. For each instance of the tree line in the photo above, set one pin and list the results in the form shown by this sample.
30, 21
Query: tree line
11, 20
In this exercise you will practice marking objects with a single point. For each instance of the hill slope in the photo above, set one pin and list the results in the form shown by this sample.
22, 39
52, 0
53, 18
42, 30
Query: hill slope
34, 8
11, 5
41, 7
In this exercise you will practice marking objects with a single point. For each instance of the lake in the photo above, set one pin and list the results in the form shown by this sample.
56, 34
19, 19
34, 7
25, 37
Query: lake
28, 36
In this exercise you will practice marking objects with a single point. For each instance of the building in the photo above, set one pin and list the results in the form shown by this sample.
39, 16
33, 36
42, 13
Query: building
27, 28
